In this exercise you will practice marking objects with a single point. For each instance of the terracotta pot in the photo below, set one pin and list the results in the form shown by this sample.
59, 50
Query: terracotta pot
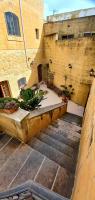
9, 111
65, 99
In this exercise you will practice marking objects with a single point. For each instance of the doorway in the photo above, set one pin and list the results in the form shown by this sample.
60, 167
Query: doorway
5, 89
43, 72
1, 92
40, 73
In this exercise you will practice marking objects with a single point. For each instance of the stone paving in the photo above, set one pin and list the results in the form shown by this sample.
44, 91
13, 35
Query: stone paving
52, 98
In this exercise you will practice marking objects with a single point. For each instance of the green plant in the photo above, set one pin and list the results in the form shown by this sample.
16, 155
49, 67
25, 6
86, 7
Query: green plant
31, 99
67, 91
27, 94
8, 99
50, 75
9, 103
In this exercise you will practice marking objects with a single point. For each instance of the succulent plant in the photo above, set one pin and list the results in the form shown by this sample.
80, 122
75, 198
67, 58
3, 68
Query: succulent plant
11, 105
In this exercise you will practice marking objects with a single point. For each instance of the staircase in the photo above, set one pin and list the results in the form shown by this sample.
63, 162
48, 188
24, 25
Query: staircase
49, 159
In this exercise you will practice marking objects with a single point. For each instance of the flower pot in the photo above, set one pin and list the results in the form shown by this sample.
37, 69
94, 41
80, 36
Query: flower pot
65, 99
9, 111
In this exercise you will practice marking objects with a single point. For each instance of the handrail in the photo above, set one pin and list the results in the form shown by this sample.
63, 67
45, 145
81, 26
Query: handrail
36, 190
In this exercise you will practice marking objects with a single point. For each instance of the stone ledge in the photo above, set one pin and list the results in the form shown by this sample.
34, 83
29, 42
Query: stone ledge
35, 189
24, 125
40, 111
18, 116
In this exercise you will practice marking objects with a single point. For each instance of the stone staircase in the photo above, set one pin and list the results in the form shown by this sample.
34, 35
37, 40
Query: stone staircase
49, 159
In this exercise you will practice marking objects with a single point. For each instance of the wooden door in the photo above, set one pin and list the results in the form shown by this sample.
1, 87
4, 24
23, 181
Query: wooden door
5, 89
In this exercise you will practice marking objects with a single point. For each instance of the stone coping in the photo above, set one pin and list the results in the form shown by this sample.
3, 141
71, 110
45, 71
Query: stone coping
20, 114
41, 111
36, 190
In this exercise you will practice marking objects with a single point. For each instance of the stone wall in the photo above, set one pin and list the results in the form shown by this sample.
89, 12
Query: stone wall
78, 52
15, 63
71, 15
84, 188
76, 26
24, 125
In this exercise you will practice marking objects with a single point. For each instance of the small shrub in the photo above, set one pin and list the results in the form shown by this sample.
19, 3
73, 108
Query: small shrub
67, 91
31, 99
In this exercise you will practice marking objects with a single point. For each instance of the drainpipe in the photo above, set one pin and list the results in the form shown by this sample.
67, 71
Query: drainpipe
22, 25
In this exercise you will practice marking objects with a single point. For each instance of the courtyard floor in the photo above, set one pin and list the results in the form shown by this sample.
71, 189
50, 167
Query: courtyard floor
52, 98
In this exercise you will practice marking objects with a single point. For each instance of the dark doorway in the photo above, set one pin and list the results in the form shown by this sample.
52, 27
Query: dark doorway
1, 92
40, 73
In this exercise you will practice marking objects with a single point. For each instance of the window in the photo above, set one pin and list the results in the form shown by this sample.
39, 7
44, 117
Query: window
12, 21
70, 36
87, 34
93, 34
37, 33
22, 82
66, 37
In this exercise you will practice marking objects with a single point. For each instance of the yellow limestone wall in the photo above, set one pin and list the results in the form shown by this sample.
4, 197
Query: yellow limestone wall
79, 52
31, 124
85, 175
12, 54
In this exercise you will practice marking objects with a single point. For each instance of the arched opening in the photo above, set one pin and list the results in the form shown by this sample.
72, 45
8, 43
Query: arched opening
43, 72
12, 22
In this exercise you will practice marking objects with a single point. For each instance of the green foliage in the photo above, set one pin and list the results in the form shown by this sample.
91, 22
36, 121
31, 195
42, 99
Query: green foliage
27, 94
8, 103
31, 99
8, 99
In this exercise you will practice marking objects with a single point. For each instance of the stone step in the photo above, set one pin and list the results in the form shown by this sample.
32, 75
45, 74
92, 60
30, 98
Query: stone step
64, 182
43, 171
4, 139
61, 138
56, 144
8, 150
72, 118
68, 126
29, 169
13, 165
47, 173
53, 154
69, 135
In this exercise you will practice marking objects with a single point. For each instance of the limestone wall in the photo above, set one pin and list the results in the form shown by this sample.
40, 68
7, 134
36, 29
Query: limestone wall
14, 62
78, 52
24, 125
84, 188
71, 15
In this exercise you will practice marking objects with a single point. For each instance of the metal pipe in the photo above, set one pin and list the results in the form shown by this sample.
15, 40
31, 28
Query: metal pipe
22, 25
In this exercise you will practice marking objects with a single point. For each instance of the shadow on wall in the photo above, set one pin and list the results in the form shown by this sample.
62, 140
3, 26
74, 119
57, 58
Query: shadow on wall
36, 65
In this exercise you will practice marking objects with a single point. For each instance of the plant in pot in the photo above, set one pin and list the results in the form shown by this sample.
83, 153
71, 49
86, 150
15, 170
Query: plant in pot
67, 92
30, 99
8, 105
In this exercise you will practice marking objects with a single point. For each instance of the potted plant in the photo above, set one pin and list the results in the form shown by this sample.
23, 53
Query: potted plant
30, 99
67, 92
8, 105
